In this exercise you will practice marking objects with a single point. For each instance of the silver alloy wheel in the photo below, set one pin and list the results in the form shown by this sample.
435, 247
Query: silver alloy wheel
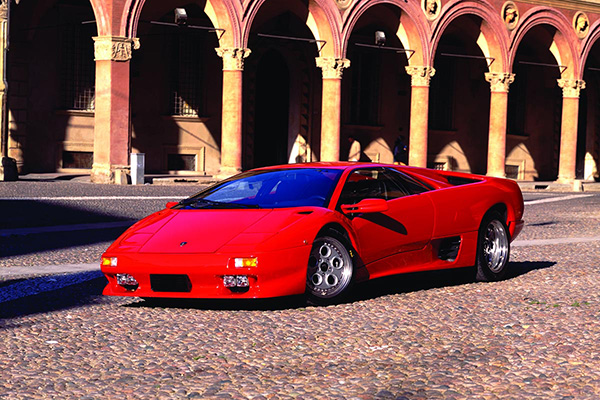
329, 268
495, 246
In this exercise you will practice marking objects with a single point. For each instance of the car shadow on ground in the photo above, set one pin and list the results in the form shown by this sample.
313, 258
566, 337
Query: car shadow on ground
397, 284
89, 291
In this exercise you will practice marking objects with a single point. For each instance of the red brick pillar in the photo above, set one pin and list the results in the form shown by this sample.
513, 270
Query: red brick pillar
231, 123
332, 69
499, 83
112, 135
569, 125
419, 114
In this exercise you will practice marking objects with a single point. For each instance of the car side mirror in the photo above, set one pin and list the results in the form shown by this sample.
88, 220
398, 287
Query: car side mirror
366, 206
171, 204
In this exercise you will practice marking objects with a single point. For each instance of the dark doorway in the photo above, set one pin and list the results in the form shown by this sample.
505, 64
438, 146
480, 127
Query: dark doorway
272, 110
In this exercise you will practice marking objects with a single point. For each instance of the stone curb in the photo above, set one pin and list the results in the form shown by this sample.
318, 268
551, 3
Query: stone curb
576, 186
48, 269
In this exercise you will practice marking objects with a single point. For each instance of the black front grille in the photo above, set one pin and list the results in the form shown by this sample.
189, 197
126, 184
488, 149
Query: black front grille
170, 283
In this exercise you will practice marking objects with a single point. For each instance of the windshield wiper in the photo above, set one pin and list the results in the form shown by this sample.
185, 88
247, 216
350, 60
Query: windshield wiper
197, 203
241, 205
194, 202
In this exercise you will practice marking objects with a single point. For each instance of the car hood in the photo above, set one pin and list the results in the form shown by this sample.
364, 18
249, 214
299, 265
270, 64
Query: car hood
201, 231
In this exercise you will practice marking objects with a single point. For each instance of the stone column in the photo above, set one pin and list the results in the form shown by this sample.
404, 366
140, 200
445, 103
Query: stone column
569, 125
332, 69
419, 114
8, 166
231, 122
499, 83
112, 134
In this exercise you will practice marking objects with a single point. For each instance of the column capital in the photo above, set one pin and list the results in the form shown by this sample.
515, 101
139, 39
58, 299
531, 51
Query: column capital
233, 57
3, 10
571, 87
114, 48
499, 81
420, 75
332, 68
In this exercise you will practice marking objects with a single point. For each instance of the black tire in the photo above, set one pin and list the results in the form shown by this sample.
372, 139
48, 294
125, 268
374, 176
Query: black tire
330, 272
493, 248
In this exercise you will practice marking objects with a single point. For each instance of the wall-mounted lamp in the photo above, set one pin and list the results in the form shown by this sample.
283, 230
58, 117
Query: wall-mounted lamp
180, 16
379, 38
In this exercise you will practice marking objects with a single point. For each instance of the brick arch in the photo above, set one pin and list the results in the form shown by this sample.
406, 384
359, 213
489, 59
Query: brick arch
565, 37
415, 26
323, 20
222, 14
102, 18
588, 44
492, 28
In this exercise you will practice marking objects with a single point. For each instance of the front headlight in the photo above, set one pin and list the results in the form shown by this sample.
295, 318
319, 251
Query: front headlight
245, 262
109, 261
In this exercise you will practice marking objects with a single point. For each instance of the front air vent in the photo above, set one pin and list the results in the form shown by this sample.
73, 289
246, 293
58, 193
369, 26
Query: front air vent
170, 283
448, 250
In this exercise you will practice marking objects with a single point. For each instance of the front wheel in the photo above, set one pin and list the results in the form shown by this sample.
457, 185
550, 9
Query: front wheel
330, 271
493, 248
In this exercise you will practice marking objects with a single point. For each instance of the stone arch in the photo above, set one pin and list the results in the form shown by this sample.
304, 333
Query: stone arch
322, 19
563, 45
223, 14
413, 31
588, 43
102, 20
493, 40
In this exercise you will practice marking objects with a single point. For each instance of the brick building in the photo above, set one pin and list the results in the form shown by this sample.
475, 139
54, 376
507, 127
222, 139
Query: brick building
504, 88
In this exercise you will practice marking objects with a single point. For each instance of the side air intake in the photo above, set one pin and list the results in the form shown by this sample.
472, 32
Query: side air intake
449, 247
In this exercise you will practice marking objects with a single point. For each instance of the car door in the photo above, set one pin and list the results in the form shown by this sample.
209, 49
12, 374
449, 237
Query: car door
407, 225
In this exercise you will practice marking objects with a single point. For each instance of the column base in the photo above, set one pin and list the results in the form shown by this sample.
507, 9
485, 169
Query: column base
8, 170
564, 180
227, 172
576, 184
497, 174
110, 174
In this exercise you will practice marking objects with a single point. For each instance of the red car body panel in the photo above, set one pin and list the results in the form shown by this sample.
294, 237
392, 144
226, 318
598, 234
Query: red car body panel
201, 244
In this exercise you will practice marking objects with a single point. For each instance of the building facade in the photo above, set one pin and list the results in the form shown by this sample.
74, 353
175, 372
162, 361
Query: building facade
503, 88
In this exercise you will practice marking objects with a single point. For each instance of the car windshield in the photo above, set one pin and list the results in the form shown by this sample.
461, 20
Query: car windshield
269, 189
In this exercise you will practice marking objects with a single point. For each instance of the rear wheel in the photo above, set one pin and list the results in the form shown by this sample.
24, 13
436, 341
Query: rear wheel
493, 248
330, 271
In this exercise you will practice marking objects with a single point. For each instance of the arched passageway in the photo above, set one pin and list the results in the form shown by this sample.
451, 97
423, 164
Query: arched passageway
52, 99
282, 89
376, 87
535, 107
460, 99
176, 90
588, 143
272, 110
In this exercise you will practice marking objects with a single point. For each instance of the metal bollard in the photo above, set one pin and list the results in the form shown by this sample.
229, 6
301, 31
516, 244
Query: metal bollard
137, 168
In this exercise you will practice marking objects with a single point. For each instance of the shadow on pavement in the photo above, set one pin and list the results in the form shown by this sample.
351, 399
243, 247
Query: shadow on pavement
20, 297
40, 214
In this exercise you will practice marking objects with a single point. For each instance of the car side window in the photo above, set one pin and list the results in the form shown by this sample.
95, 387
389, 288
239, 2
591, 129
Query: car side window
372, 183
410, 185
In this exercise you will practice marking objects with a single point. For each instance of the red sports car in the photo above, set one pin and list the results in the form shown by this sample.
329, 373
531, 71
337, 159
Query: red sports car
316, 228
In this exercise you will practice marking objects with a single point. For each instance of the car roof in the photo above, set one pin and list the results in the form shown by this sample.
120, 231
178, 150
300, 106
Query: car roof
342, 165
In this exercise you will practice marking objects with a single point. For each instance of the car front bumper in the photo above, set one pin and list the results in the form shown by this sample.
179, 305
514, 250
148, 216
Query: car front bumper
278, 273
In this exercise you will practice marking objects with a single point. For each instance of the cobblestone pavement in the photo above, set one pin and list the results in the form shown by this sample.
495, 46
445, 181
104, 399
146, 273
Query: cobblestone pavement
418, 336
